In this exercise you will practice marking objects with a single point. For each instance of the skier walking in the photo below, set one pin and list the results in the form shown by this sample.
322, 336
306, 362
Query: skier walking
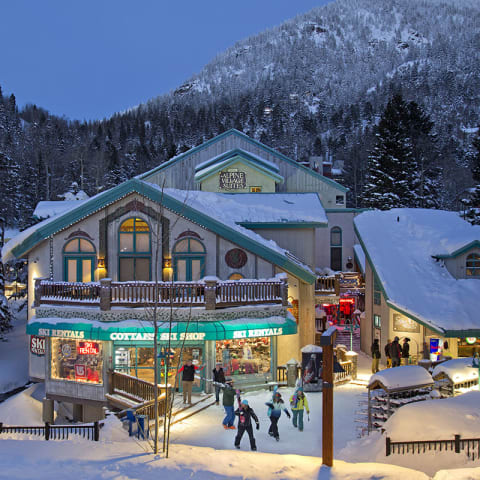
299, 402
395, 352
218, 380
228, 401
275, 408
375, 349
245, 416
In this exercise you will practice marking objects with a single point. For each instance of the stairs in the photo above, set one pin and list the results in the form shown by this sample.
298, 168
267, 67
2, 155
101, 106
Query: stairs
343, 338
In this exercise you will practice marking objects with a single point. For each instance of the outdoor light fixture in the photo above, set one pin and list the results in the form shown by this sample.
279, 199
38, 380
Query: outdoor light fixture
167, 263
101, 263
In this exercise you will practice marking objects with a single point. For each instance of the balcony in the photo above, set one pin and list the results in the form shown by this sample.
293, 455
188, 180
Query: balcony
210, 294
340, 283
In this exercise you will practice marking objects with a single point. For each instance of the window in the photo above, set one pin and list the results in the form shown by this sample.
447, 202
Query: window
134, 250
336, 248
243, 357
377, 321
255, 189
78, 261
77, 360
377, 291
473, 265
188, 260
340, 200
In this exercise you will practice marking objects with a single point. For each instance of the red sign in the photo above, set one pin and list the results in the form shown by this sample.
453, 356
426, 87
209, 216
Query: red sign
80, 371
37, 345
88, 348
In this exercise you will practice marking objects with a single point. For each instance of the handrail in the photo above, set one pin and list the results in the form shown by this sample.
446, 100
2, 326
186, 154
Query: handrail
56, 432
209, 293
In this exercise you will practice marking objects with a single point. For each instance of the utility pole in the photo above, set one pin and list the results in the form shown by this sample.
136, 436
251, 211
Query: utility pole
327, 340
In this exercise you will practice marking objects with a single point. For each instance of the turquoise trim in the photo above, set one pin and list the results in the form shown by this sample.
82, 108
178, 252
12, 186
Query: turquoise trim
456, 253
79, 267
198, 331
155, 194
253, 142
282, 225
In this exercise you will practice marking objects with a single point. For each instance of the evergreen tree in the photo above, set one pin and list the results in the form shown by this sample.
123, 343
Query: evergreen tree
5, 313
473, 213
399, 170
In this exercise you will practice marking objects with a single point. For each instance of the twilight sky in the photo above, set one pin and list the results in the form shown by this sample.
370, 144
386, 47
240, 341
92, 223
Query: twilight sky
89, 59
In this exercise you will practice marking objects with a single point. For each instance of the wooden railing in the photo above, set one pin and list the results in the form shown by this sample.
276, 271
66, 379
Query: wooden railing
209, 293
56, 432
132, 387
326, 284
338, 377
471, 446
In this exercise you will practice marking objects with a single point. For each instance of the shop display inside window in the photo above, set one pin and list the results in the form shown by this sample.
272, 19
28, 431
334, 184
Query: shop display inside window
245, 356
77, 360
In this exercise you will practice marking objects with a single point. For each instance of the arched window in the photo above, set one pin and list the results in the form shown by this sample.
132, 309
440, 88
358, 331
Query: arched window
235, 276
78, 261
134, 250
473, 265
336, 248
188, 260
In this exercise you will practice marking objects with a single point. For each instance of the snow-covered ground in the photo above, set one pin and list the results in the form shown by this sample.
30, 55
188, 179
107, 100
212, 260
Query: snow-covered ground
14, 355
202, 449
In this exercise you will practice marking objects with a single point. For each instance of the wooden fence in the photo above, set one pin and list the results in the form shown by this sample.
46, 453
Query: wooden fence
471, 446
56, 432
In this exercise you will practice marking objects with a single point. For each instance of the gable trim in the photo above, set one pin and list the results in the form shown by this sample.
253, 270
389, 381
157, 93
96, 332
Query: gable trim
460, 251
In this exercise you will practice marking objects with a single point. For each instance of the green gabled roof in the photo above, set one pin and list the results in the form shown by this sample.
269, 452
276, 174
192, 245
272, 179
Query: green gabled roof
92, 205
456, 253
258, 144
208, 171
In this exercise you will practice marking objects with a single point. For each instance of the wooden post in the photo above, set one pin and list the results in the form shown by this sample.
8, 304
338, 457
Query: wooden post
210, 294
38, 290
388, 446
284, 292
105, 293
457, 443
327, 341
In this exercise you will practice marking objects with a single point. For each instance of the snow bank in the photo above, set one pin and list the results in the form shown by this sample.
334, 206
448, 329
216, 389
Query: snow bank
25, 408
402, 377
458, 370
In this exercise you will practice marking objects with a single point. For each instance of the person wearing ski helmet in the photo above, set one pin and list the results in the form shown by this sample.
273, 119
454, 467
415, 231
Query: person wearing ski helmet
245, 415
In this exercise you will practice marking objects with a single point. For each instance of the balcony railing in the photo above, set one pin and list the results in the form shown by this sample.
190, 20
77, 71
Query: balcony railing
211, 294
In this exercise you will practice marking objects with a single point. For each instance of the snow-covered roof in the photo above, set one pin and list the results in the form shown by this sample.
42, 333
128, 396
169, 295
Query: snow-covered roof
401, 244
359, 257
47, 209
312, 349
457, 370
401, 378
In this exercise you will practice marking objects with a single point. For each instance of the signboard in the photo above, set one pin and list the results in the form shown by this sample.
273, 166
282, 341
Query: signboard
232, 180
404, 324
53, 332
259, 332
37, 345
80, 372
88, 348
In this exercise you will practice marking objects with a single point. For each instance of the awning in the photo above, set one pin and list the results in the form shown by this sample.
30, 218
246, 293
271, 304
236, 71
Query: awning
136, 330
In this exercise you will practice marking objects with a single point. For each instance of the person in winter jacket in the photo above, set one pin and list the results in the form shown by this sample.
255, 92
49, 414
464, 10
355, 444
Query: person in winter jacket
188, 377
375, 349
245, 416
275, 408
387, 353
395, 352
298, 402
405, 351
218, 379
228, 401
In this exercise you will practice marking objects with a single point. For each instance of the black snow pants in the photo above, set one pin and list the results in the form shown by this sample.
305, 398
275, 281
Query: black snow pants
241, 430
273, 430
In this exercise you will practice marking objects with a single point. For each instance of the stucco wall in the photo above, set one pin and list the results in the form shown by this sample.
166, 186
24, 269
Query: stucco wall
457, 266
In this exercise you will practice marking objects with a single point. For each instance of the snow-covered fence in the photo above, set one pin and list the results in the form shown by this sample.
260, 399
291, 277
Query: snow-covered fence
56, 432
327, 284
209, 293
471, 446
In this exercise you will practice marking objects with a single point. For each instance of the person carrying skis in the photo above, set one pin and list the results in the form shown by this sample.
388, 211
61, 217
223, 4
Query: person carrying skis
228, 401
299, 402
275, 408
245, 415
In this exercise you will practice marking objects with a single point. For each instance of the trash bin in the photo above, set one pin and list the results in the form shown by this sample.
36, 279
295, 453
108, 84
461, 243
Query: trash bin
131, 421
292, 366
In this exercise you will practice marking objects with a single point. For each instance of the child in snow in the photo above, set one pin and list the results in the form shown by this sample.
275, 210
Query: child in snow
245, 415
299, 402
275, 408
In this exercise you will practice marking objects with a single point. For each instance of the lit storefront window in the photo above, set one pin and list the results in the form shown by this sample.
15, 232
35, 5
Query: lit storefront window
77, 360
245, 356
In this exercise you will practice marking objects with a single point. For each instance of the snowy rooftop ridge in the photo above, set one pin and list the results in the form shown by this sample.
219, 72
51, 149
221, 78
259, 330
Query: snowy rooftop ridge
457, 370
47, 209
413, 281
401, 378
